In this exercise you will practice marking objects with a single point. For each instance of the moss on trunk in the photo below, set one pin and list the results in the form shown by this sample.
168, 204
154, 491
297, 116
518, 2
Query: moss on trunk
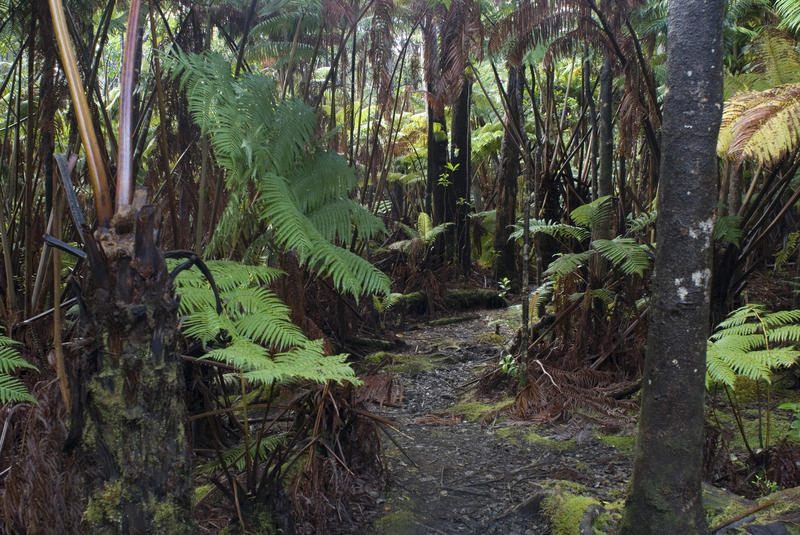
133, 449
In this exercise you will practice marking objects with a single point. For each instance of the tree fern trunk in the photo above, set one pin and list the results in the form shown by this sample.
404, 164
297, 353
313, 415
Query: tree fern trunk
133, 449
507, 177
665, 494
459, 190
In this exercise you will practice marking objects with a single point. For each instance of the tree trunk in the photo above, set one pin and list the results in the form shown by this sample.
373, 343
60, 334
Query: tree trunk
505, 262
605, 137
459, 190
666, 494
133, 448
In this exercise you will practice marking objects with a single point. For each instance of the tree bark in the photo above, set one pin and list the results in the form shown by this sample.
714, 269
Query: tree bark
505, 262
666, 494
133, 448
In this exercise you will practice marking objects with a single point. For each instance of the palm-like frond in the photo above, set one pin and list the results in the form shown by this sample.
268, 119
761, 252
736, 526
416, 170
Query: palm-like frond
789, 12
762, 126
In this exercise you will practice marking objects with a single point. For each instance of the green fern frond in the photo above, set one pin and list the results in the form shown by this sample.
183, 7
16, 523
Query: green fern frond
728, 229
566, 263
556, 230
11, 388
625, 253
785, 334
591, 214
782, 256
643, 221
236, 456
752, 342
305, 362
302, 190
789, 12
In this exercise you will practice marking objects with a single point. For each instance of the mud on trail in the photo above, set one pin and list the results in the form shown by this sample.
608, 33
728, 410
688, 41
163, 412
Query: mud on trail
453, 470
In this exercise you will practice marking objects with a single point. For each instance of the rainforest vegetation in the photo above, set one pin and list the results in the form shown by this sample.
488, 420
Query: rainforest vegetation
221, 220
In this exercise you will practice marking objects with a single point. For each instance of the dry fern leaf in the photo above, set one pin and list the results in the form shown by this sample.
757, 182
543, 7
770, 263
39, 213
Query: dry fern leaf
762, 126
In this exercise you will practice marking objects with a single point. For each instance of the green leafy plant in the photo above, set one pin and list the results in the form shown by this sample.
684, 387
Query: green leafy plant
752, 342
509, 365
286, 191
794, 428
11, 388
625, 253
425, 231
505, 286
259, 340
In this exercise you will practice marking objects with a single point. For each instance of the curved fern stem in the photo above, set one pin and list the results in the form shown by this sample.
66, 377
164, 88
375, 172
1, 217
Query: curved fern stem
97, 170
125, 153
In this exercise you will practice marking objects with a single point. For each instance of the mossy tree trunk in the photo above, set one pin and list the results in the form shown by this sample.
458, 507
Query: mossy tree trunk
665, 493
133, 448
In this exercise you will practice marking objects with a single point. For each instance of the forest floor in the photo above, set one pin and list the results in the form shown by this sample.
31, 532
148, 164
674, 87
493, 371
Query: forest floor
455, 470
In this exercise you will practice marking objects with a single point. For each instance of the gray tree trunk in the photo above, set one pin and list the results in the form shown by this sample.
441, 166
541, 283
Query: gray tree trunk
665, 494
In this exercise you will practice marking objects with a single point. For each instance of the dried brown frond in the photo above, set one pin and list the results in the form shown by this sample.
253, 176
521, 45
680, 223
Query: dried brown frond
343, 469
770, 129
385, 390
40, 493
461, 38
381, 39
335, 12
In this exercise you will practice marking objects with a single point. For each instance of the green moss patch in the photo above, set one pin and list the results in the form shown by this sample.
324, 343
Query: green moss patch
412, 364
399, 522
474, 410
565, 511
623, 443
490, 338
522, 436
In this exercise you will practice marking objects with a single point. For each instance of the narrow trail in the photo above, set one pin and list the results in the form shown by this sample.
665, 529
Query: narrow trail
452, 474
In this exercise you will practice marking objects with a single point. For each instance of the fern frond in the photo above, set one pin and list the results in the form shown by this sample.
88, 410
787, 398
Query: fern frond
785, 334
729, 229
789, 12
752, 342
643, 221
625, 253
556, 230
762, 126
567, 263
591, 214
11, 388
236, 456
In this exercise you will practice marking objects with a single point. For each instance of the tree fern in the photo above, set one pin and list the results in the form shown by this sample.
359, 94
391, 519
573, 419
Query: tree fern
11, 388
298, 191
752, 342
